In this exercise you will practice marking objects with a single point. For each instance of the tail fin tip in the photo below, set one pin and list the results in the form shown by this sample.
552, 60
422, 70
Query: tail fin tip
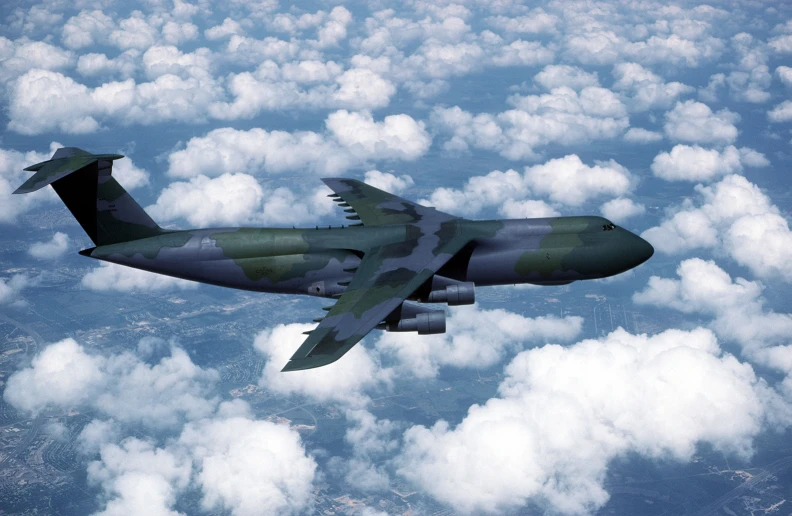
65, 161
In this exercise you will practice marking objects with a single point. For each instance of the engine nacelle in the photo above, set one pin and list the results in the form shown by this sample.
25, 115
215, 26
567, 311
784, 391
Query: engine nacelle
425, 324
410, 317
445, 290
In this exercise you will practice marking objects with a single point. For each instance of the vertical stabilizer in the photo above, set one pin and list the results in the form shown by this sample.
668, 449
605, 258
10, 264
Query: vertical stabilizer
83, 181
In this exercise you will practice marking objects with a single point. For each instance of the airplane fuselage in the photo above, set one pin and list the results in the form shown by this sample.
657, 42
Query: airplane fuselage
399, 251
322, 261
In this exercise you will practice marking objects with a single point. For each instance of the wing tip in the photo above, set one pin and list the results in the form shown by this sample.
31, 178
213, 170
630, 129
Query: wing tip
293, 365
311, 362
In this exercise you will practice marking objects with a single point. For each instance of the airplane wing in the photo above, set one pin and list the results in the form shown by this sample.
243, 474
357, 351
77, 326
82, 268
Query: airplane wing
384, 279
374, 207
386, 276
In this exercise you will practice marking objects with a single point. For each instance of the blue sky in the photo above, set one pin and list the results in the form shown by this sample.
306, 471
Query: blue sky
672, 120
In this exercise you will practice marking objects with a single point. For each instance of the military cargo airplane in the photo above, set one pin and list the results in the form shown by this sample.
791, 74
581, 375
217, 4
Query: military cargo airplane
394, 252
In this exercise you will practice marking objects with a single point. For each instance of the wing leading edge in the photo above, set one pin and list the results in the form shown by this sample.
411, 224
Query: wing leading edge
375, 207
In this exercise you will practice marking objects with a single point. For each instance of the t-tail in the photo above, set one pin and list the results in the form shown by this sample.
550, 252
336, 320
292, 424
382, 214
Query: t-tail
85, 184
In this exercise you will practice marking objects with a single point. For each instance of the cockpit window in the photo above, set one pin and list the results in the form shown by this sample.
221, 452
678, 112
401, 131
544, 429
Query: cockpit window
608, 227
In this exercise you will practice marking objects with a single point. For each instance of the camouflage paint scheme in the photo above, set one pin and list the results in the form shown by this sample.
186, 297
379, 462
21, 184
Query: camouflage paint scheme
398, 251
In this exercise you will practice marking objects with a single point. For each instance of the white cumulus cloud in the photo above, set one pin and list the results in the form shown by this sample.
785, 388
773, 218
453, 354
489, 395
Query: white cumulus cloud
475, 337
527, 209
556, 76
640, 135
129, 175
480, 192
692, 121
19, 56
781, 113
49, 250
86, 28
113, 277
138, 477
694, 163
370, 440
563, 116
784, 74
250, 467
644, 90
361, 89
620, 209
235, 463
563, 413
570, 181
124, 65
736, 305
234, 199
160, 395
351, 140
342, 381
42, 100
274, 86
763, 243
224, 200
733, 215
229, 27
396, 137
10, 288
124, 387
566, 181
62, 374
388, 182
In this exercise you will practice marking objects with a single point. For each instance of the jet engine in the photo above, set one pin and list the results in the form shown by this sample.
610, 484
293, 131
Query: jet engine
445, 290
410, 317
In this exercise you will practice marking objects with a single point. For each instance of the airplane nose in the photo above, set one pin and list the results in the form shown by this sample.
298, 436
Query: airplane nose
642, 249
606, 252
628, 250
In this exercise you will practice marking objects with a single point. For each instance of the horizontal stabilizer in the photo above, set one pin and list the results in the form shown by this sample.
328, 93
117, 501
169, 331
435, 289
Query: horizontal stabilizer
64, 162
84, 182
